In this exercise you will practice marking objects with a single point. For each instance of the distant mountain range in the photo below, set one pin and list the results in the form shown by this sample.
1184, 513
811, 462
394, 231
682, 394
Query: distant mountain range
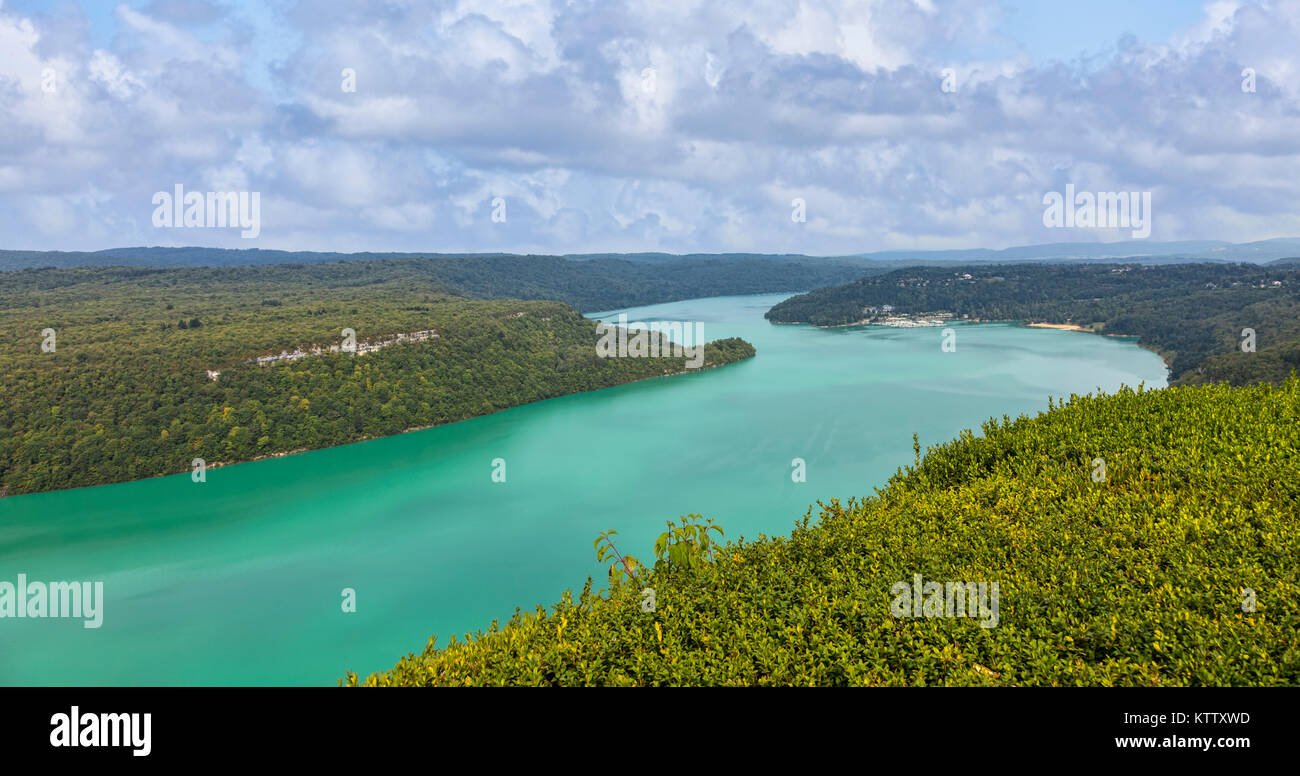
1279, 250
1198, 250
228, 257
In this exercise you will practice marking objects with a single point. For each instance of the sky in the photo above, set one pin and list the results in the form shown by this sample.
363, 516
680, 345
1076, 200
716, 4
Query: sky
575, 126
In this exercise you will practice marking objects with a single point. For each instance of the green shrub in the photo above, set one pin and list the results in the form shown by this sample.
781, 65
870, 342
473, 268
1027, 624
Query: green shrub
1136, 579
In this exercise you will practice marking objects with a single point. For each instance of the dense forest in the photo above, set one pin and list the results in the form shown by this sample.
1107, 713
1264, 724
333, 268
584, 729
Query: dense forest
792, 268
607, 284
1175, 567
1192, 314
589, 286
1135, 251
119, 389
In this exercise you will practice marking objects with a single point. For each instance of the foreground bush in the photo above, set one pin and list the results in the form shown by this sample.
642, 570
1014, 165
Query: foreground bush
1134, 580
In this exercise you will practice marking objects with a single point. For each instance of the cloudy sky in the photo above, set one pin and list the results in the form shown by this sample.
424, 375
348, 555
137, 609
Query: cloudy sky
672, 125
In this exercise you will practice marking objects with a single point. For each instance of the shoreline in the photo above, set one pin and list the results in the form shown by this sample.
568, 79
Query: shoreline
1169, 377
1060, 326
4, 493
870, 323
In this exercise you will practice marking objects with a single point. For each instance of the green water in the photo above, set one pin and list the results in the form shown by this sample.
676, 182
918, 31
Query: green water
238, 580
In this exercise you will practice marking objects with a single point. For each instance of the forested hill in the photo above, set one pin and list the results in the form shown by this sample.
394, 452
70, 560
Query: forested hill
1139, 251
123, 391
1175, 567
607, 284
165, 257
1192, 314
589, 286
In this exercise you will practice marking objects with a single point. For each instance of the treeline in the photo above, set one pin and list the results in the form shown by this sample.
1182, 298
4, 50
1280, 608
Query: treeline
587, 285
239, 257
125, 392
1192, 314
607, 284
1176, 566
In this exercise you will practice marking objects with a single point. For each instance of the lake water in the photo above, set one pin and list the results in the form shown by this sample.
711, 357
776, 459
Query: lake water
239, 580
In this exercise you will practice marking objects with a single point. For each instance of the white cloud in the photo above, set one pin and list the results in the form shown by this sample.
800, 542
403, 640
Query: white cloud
753, 102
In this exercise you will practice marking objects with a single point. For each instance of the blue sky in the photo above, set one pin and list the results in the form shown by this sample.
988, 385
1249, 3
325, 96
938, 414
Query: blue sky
1062, 30
1045, 29
679, 125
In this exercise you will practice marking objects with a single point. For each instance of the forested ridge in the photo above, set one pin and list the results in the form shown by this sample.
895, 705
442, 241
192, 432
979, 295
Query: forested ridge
589, 284
1192, 314
1175, 567
125, 394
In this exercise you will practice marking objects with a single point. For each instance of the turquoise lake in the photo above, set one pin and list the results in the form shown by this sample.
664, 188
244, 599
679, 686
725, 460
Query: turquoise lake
239, 580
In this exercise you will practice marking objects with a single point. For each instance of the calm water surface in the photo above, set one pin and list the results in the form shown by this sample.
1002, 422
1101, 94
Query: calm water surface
238, 580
